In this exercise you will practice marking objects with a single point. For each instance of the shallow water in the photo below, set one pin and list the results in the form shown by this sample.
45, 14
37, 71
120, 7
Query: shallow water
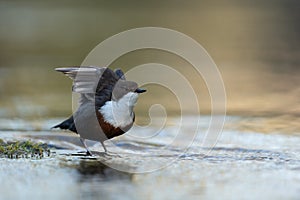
243, 164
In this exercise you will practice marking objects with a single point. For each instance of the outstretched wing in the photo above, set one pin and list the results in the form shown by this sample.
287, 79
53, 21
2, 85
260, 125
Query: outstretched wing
85, 79
93, 83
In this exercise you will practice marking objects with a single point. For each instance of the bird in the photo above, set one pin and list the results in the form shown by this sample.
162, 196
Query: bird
105, 105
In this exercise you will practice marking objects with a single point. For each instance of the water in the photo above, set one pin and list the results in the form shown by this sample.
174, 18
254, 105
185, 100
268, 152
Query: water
246, 164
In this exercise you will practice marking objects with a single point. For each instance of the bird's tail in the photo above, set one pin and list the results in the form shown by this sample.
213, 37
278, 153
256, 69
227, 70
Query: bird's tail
67, 124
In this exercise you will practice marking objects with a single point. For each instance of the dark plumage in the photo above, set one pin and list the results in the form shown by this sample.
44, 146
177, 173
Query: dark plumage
97, 86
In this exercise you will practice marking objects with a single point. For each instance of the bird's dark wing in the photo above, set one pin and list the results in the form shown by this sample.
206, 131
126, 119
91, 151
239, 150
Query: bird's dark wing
93, 83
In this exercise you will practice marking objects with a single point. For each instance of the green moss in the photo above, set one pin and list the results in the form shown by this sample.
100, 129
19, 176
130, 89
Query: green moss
23, 149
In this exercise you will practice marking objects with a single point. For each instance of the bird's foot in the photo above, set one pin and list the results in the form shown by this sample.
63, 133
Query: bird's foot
89, 153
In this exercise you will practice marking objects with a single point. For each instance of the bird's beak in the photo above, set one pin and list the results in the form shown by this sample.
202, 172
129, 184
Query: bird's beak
140, 90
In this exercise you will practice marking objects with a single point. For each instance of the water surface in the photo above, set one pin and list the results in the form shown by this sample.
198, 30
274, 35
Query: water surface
248, 163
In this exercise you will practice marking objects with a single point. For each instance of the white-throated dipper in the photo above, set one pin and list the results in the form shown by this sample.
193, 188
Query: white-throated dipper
106, 103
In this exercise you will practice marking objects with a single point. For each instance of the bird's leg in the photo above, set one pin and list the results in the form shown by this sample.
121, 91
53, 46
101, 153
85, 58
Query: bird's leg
105, 150
107, 153
88, 152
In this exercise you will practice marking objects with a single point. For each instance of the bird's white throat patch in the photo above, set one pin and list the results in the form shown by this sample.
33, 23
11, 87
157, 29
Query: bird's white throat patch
120, 113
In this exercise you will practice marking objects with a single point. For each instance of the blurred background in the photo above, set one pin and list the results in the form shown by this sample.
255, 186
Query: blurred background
254, 43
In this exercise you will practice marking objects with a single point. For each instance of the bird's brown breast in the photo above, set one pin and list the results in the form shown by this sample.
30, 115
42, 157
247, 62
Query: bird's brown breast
109, 130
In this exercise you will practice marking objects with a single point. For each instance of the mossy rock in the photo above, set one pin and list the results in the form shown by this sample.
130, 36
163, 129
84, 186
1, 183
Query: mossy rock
23, 149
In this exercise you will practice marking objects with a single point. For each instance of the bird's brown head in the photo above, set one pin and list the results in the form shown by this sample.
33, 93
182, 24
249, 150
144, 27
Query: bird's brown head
124, 87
